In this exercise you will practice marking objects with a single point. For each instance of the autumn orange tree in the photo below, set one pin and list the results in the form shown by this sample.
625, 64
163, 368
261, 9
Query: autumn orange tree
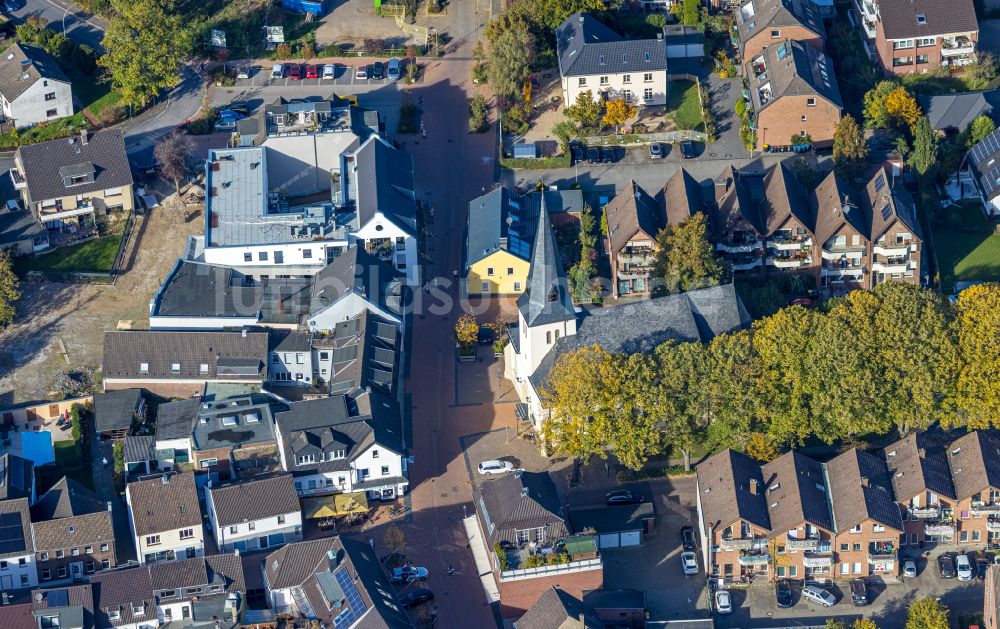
890, 105
617, 111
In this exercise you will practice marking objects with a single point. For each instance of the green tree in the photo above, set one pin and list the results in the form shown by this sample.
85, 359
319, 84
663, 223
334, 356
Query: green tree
509, 62
691, 12
890, 105
980, 128
685, 259
581, 275
118, 454
850, 151
732, 393
479, 111
983, 71
927, 613
145, 44
394, 539
679, 399
875, 113
586, 111
978, 388
466, 329
925, 149
10, 290
565, 131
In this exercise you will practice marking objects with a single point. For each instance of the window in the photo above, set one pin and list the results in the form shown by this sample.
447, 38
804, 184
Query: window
105, 564
804, 118
187, 533
486, 287
75, 552
306, 459
207, 463
45, 557
175, 367
583, 82
510, 270
49, 622
963, 536
626, 78
792, 570
152, 540
104, 548
548, 338
926, 41
3, 565
203, 368
252, 526
902, 61
647, 77
627, 96
489, 271
363, 473
143, 367
307, 254
281, 518
857, 568
902, 238
52, 113
856, 528
856, 547
50, 96
61, 572
46, 575
138, 609
59, 554
902, 43
232, 530
604, 80
248, 257
775, 34
878, 528
279, 257
845, 568
647, 94
844, 547
517, 286
90, 566
921, 18
810, 102
975, 536
923, 59
341, 481
385, 470
89, 550
262, 256
24, 580
374, 454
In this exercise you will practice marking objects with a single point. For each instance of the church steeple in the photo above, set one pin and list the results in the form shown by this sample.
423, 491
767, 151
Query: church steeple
546, 298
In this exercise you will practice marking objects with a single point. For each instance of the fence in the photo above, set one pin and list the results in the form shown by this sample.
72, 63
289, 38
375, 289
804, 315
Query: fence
89, 277
646, 138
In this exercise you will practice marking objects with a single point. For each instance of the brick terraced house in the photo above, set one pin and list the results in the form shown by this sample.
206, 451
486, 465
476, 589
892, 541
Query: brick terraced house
73, 532
922, 484
759, 23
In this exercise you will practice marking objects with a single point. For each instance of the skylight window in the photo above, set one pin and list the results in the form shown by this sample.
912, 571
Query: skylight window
229, 420
921, 18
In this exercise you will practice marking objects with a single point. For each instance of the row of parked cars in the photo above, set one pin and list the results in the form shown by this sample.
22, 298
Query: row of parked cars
610, 154
393, 70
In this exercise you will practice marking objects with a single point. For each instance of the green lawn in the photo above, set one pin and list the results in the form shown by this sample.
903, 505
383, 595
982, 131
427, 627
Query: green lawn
685, 105
67, 454
93, 256
967, 256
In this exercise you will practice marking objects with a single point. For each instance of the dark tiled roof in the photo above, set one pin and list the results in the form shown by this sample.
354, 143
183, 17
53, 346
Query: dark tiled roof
519, 501
228, 355
974, 460
361, 273
556, 609
123, 591
796, 493
771, 14
726, 490
114, 410
164, 504
292, 564
957, 111
78, 530
738, 198
383, 182
683, 197
223, 570
174, 420
104, 152
793, 69
15, 523
785, 196
612, 519
834, 209
630, 211
139, 448
914, 470
17, 615
254, 499
18, 226
546, 298
22, 66
860, 489
585, 46
899, 18
17, 477
65, 499
887, 202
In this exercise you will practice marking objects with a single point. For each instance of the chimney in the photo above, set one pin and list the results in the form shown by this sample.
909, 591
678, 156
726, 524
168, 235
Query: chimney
83, 136
524, 491
165, 479
753, 486
865, 482
660, 35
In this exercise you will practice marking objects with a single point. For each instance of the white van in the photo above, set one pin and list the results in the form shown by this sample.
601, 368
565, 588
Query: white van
963, 567
278, 71
394, 70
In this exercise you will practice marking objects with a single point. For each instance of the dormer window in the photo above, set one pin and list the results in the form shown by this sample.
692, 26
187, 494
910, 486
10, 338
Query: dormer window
553, 295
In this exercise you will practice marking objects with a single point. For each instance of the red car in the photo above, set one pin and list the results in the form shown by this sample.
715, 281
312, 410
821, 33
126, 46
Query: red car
312, 72
295, 72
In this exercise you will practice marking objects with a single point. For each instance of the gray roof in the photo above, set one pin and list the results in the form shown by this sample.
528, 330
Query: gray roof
615, 599
501, 220
221, 572
957, 111
138, 448
382, 180
984, 160
104, 150
793, 69
164, 504
17, 477
546, 297
974, 463
73, 604
69, 514
518, 501
796, 493
683, 197
65, 499
359, 272
174, 420
616, 519
235, 422
114, 410
585, 47
914, 470
556, 609
899, 18
860, 489
887, 200
18, 226
227, 355
15, 528
698, 315
727, 492
254, 499
365, 353
771, 14
22, 66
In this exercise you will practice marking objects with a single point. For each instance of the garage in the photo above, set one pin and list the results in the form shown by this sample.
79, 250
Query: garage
614, 527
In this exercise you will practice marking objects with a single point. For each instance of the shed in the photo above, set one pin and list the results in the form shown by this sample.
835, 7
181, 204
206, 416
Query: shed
115, 410
684, 42
618, 608
615, 527
527, 150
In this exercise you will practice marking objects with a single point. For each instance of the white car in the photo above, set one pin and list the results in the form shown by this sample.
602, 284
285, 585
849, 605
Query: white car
909, 568
329, 71
723, 602
689, 562
278, 71
963, 568
819, 595
495, 467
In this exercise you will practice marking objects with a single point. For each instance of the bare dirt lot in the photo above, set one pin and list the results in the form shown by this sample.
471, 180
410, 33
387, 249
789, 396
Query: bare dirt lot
53, 316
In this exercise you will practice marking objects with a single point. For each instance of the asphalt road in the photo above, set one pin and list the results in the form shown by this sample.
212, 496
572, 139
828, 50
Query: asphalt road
66, 17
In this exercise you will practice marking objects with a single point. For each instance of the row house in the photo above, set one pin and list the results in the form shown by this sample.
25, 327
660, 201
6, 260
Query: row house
17, 554
895, 233
917, 36
33, 88
975, 472
843, 236
124, 599
921, 482
73, 533
165, 518
759, 23
200, 592
259, 513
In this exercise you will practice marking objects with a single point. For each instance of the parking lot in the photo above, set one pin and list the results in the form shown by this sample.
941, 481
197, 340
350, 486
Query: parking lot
344, 74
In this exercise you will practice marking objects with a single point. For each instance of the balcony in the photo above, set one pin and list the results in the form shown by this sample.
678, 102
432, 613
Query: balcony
882, 551
739, 245
59, 211
993, 523
811, 560
737, 543
979, 507
638, 259
19, 182
897, 249
746, 264
791, 262
852, 273
797, 543
957, 46
891, 266
753, 558
783, 242
926, 513
946, 529
632, 274
836, 253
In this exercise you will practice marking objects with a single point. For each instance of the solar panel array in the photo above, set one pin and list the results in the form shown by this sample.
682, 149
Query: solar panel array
355, 603
11, 533
57, 598
886, 211
984, 158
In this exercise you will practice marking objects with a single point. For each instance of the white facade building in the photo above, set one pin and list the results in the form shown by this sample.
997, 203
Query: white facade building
33, 88
255, 514
165, 518
17, 559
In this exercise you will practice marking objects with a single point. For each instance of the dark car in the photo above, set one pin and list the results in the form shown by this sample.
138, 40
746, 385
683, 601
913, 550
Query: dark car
416, 597
607, 155
12, 5
859, 592
624, 497
378, 70
982, 567
946, 566
576, 152
239, 106
593, 155
783, 593
687, 535
486, 336
687, 149
295, 72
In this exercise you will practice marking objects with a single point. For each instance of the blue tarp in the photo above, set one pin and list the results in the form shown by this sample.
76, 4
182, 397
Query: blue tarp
303, 6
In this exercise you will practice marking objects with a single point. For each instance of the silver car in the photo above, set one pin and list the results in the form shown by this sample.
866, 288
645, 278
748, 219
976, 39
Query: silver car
689, 563
909, 568
723, 602
819, 595
495, 467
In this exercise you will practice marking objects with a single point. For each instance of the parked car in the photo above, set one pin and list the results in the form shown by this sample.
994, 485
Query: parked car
486, 336
909, 568
278, 71
687, 537
946, 566
408, 574
295, 72
655, 151
394, 70
783, 593
12, 5
577, 152
818, 595
246, 72
982, 567
963, 568
495, 467
624, 497
859, 592
689, 563
312, 72
416, 597
239, 106
687, 149
723, 602
607, 154
329, 71
593, 155
378, 70
361, 72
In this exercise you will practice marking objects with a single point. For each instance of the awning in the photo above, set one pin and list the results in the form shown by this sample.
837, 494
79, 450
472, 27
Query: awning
334, 505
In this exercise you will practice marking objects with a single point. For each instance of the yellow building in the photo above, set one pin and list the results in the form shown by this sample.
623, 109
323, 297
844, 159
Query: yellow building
499, 233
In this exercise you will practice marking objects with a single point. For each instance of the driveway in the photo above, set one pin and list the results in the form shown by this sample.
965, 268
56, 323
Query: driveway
66, 17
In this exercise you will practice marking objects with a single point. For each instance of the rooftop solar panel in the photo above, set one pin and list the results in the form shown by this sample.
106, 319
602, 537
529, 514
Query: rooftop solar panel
355, 603
886, 211
57, 598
